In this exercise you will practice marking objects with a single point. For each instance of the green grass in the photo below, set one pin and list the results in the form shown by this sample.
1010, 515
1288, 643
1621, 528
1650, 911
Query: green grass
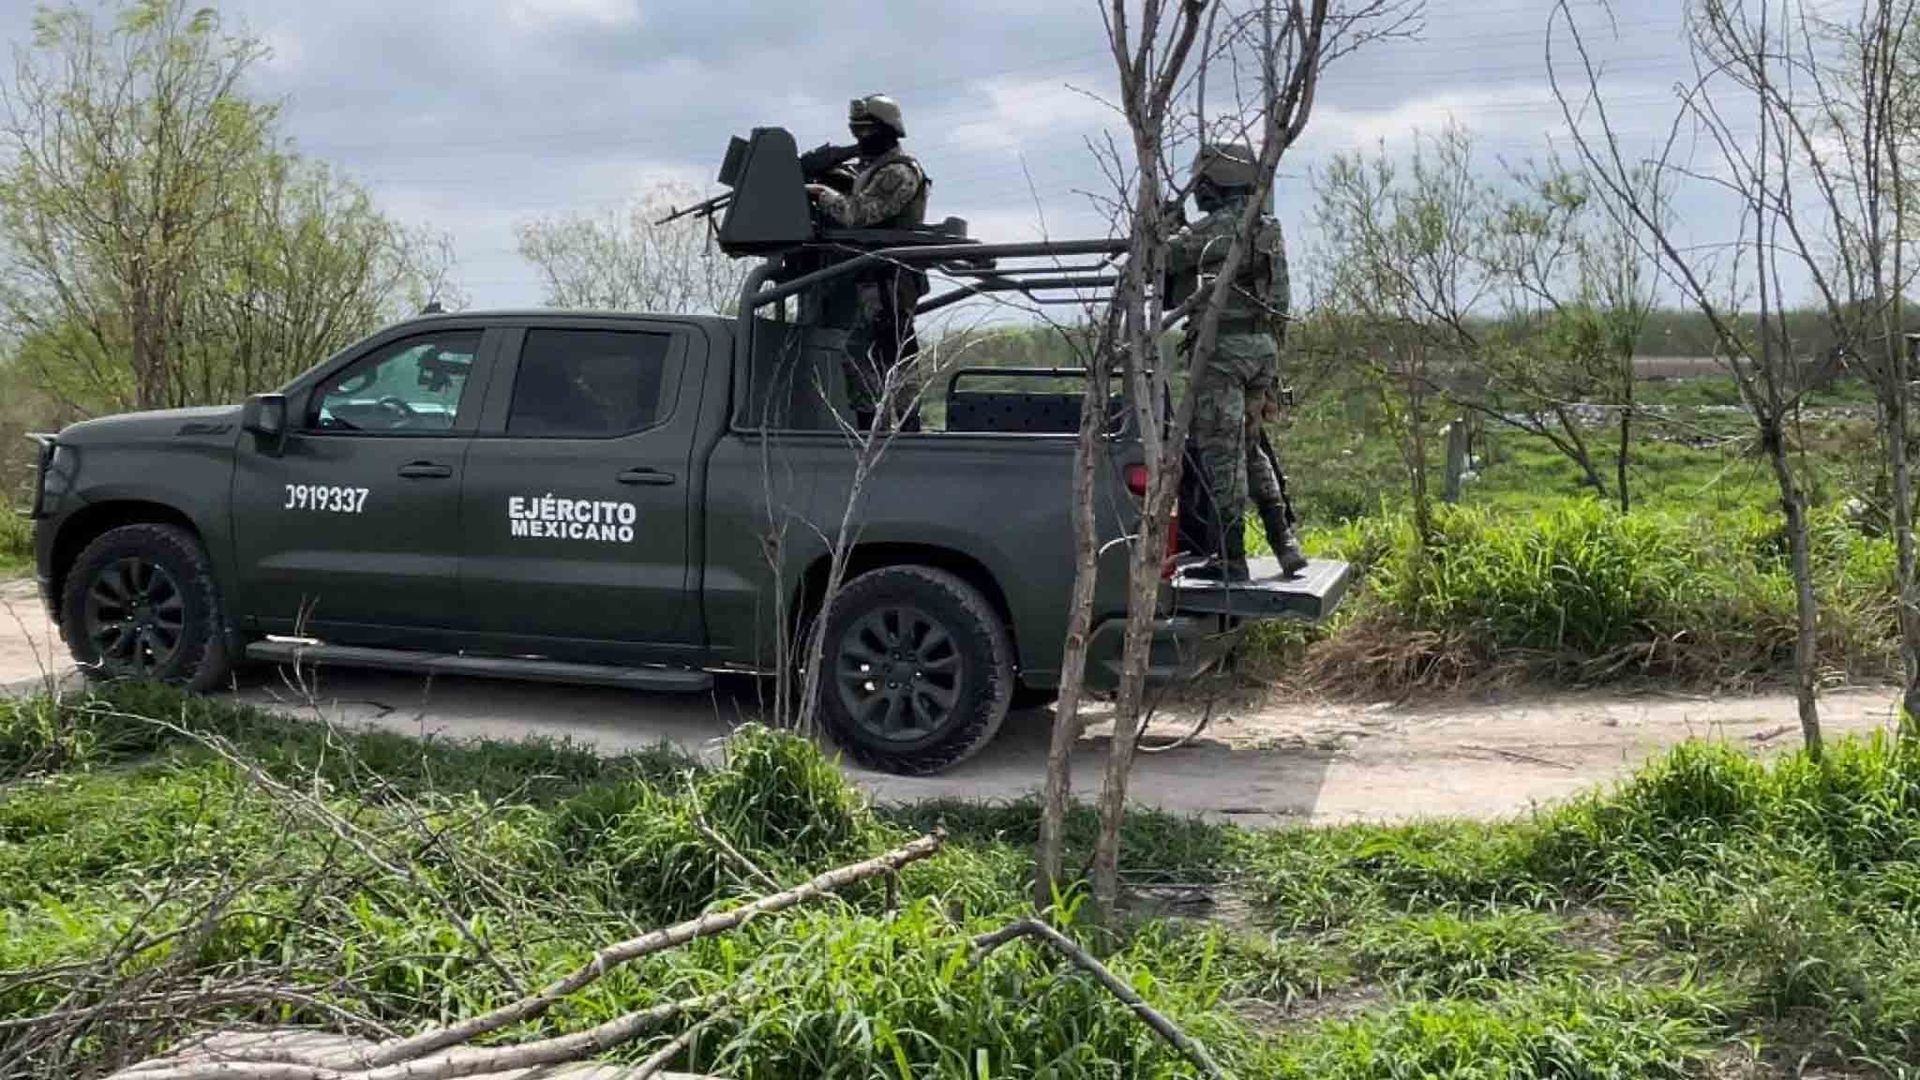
1582, 595
1536, 576
1709, 906
1768, 898
1445, 954
16, 544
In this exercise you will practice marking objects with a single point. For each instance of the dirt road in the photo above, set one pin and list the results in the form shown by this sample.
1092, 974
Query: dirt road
1279, 762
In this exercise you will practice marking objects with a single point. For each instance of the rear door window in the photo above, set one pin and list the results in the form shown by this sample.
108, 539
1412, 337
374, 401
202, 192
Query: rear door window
590, 384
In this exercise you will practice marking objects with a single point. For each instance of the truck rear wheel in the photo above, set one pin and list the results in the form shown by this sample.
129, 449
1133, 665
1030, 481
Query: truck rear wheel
918, 670
140, 603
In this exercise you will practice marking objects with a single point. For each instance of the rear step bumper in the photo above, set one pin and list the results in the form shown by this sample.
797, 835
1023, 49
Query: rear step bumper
662, 680
1313, 596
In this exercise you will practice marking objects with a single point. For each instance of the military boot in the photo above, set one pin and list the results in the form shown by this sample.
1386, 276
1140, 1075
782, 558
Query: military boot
1281, 539
1230, 564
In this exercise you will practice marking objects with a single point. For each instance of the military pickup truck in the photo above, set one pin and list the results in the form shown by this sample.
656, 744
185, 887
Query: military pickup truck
635, 500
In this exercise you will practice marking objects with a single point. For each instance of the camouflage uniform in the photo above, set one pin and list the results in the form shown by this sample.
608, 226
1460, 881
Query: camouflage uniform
1241, 377
889, 192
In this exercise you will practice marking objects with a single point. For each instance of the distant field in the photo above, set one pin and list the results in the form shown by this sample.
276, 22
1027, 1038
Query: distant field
1677, 367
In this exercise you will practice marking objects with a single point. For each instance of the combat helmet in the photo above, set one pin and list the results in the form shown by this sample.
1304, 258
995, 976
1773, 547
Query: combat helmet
1227, 165
877, 109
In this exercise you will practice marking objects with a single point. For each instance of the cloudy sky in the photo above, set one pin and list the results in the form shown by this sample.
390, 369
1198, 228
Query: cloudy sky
470, 116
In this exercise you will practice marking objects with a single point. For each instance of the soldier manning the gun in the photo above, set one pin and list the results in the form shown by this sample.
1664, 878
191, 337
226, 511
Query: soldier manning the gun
887, 189
1238, 387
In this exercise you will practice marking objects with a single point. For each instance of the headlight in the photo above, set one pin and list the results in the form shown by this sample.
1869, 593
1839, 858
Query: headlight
49, 446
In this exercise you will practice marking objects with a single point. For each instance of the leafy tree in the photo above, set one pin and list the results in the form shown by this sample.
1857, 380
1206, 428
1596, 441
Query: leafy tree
1403, 268
158, 245
1575, 293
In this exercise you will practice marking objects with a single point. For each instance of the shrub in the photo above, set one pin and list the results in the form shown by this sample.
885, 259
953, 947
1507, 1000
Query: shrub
1583, 594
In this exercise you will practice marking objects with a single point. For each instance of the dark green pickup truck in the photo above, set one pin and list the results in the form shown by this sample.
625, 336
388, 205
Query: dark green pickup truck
591, 498
640, 500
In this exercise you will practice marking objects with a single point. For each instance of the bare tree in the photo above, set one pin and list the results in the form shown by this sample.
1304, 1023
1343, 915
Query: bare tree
1574, 295
796, 519
1848, 111
897, 397
1090, 448
1746, 101
1284, 48
630, 260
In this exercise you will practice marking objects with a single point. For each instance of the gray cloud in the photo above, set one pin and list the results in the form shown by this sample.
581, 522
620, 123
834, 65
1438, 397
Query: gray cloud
471, 115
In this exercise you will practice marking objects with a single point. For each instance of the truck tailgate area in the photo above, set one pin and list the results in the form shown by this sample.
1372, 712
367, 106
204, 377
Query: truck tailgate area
1313, 596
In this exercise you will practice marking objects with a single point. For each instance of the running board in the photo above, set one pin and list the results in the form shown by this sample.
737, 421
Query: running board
1314, 596
662, 680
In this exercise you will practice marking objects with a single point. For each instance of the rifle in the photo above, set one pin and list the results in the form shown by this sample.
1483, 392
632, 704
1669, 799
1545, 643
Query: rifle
814, 164
706, 209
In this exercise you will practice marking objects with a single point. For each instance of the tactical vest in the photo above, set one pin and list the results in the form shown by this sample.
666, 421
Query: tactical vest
915, 212
1260, 290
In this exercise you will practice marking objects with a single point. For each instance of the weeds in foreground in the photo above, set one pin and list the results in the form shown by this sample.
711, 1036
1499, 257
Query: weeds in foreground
1709, 901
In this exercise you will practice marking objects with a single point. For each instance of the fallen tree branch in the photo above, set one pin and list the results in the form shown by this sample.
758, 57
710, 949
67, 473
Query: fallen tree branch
712, 836
463, 1061
177, 1003
343, 829
649, 943
407, 1059
329, 1055
664, 1056
1153, 1018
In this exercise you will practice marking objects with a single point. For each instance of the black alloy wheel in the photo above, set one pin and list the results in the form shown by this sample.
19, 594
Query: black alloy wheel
898, 674
139, 602
136, 616
918, 670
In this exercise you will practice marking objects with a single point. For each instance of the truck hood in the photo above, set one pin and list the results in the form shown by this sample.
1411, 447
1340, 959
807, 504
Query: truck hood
215, 423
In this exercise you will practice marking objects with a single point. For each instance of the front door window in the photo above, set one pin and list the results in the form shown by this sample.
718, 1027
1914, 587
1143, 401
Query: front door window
413, 387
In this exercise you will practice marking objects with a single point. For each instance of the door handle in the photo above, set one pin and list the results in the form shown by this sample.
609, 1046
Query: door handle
649, 477
425, 470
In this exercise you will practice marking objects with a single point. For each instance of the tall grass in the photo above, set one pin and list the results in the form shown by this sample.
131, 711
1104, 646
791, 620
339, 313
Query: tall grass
1582, 594
1709, 906
1780, 895
549, 857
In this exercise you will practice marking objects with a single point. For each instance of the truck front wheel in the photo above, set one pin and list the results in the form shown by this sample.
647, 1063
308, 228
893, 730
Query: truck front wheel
918, 670
140, 603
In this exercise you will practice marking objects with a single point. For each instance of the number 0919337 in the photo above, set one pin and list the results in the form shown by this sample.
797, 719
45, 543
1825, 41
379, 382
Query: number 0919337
326, 498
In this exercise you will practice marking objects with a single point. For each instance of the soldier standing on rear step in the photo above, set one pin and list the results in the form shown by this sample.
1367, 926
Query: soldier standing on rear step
888, 191
1239, 385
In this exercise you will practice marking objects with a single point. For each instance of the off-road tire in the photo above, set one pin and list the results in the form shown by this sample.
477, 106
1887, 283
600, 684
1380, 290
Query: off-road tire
982, 690
198, 658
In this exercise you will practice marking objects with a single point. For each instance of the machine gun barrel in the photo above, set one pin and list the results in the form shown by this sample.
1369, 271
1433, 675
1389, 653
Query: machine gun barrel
814, 164
706, 209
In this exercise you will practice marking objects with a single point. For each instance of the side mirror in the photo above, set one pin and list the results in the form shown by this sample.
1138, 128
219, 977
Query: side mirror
265, 415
